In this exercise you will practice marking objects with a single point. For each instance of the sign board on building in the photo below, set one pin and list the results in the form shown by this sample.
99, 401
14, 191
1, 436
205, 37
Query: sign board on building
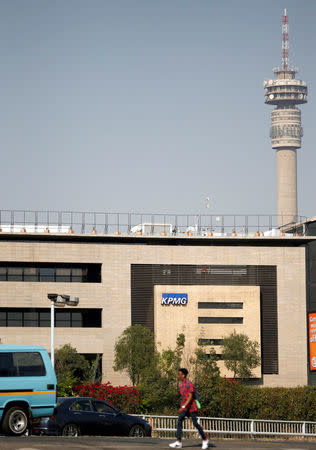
174, 299
312, 340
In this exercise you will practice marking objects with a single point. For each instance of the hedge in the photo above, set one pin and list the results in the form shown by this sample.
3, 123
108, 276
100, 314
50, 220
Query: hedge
231, 399
226, 398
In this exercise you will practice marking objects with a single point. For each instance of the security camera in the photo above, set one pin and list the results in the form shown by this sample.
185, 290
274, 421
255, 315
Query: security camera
52, 297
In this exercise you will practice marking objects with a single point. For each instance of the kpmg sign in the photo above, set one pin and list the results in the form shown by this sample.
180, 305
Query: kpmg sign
174, 299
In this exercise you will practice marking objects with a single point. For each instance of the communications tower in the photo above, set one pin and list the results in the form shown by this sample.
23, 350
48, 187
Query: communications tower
285, 92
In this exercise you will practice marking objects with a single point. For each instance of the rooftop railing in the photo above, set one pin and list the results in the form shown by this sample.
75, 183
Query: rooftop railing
107, 223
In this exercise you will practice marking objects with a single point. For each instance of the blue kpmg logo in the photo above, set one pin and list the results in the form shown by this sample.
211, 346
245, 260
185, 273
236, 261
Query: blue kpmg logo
174, 299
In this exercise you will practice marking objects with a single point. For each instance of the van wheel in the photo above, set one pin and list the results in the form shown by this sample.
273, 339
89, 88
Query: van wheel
71, 430
15, 421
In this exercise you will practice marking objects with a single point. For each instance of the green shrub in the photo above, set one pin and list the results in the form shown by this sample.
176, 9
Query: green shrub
231, 399
71, 368
228, 398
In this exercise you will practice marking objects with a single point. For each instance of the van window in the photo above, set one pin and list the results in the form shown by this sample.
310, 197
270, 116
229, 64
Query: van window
21, 364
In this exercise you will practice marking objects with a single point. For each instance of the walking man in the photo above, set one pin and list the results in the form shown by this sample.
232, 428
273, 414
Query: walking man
187, 409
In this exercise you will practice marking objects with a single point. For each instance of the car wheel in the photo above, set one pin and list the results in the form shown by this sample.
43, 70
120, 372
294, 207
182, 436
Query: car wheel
137, 431
15, 421
71, 430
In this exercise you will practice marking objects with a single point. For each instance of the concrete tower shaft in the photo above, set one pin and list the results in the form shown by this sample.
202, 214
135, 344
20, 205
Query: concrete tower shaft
285, 92
286, 167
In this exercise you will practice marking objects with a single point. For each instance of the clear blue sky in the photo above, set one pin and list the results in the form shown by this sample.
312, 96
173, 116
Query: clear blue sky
148, 105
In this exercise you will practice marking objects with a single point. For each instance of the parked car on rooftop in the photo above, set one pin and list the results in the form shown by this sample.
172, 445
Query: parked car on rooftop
75, 416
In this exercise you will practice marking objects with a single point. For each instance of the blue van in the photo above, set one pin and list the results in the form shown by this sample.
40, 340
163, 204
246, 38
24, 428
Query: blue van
27, 386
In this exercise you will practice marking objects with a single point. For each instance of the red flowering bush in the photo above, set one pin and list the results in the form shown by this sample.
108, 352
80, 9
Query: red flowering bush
126, 398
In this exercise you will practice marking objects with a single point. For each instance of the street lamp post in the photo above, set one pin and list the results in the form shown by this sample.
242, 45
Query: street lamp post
52, 332
59, 300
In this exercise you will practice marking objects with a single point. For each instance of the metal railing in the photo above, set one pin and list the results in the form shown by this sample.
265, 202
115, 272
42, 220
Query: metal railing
146, 224
166, 426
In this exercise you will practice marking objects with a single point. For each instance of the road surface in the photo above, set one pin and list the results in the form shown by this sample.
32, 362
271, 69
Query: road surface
113, 443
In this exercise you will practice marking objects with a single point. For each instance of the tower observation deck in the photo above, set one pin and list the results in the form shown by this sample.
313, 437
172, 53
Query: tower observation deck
286, 92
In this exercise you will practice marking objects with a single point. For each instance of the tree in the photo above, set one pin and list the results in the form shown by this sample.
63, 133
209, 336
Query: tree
170, 360
240, 354
206, 376
159, 387
71, 368
135, 352
204, 365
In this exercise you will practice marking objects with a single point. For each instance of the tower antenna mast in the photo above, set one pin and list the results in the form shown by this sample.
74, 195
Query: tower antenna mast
285, 92
285, 42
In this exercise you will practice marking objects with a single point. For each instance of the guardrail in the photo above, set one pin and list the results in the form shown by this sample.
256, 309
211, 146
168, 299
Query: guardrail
147, 224
166, 426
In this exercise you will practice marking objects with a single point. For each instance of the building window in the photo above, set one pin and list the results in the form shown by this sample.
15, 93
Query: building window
95, 360
30, 274
43, 318
63, 318
77, 275
40, 317
30, 319
220, 305
15, 274
76, 319
50, 272
221, 319
47, 274
218, 355
210, 341
221, 270
3, 319
3, 274
15, 319
63, 275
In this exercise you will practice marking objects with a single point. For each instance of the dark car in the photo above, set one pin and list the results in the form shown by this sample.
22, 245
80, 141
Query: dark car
75, 416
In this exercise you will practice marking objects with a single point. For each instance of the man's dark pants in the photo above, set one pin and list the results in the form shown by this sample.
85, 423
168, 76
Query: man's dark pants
181, 418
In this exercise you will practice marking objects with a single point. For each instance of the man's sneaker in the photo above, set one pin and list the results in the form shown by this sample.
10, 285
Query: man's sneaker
176, 444
205, 444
